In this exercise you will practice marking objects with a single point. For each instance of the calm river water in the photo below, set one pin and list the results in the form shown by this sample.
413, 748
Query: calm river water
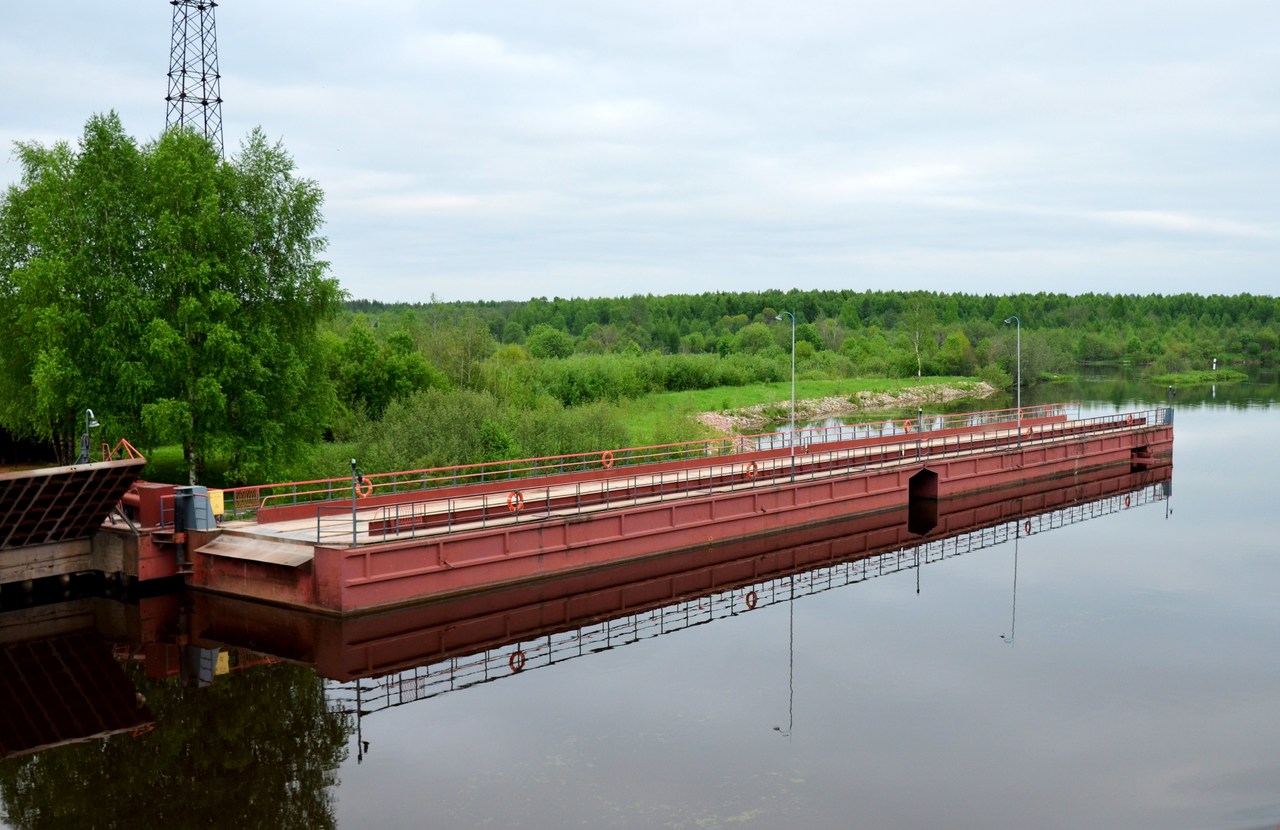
1110, 667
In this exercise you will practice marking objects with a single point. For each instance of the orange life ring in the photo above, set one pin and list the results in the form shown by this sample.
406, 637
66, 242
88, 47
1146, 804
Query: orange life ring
752, 469
516, 660
1126, 502
606, 459
751, 600
1026, 528
365, 489
1129, 419
1028, 432
906, 425
515, 500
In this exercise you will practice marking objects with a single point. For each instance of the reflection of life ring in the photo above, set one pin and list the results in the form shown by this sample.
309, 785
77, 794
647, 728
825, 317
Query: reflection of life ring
1128, 419
751, 600
1028, 432
1026, 528
515, 501
606, 459
365, 489
516, 661
1126, 502
751, 470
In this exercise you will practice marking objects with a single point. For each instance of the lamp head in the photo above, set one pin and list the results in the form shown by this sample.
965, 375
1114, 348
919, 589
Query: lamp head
1008, 320
90, 420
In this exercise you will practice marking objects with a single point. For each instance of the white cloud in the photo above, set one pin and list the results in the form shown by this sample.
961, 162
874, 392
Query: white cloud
499, 150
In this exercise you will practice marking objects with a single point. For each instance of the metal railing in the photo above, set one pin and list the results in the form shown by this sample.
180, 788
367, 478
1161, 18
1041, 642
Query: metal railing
244, 502
441, 677
422, 517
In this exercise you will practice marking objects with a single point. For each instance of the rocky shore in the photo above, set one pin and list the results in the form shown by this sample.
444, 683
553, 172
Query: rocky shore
754, 418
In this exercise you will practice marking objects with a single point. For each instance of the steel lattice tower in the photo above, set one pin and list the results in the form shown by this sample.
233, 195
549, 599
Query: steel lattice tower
194, 97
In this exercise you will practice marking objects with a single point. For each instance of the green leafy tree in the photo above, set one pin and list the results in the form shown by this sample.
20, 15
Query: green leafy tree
548, 341
165, 286
70, 305
919, 319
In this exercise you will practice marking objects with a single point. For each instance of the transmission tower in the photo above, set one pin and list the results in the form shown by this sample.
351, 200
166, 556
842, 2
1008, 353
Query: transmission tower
194, 97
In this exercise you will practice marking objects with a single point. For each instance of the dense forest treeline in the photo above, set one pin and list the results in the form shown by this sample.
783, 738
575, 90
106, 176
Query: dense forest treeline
1175, 331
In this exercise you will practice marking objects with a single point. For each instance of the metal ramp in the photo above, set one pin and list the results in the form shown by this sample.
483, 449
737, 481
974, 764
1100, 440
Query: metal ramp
255, 548
61, 504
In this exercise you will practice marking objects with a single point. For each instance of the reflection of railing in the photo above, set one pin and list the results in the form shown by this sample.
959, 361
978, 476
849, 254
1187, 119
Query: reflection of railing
412, 518
806, 436
424, 682
244, 502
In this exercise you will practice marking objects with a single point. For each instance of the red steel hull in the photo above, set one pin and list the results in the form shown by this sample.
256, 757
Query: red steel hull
372, 645
363, 578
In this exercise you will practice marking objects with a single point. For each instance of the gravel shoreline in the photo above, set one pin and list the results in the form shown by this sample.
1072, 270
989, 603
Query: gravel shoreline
753, 419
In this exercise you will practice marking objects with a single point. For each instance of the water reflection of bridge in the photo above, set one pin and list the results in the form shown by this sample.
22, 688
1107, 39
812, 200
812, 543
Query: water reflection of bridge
378, 661
989, 523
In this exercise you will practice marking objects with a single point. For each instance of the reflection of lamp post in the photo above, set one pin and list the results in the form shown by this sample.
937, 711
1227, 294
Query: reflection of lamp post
793, 390
791, 663
89, 423
1018, 340
1013, 622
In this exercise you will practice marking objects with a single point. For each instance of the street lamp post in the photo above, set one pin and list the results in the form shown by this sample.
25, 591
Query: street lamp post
1018, 339
89, 423
793, 390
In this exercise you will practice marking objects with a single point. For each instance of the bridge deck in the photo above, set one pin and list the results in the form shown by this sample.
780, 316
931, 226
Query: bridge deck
527, 500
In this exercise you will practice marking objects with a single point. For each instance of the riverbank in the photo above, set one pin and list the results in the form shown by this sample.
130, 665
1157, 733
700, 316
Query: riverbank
760, 417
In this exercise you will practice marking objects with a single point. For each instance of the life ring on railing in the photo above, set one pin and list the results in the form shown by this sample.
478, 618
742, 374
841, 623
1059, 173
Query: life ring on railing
516, 661
1129, 419
364, 489
906, 425
1026, 528
752, 469
606, 459
515, 500
751, 600
1028, 433
1126, 502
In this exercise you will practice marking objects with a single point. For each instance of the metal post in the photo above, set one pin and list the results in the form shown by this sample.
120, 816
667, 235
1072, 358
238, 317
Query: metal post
355, 484
1018, 340
793, 390
89, 423
919, 429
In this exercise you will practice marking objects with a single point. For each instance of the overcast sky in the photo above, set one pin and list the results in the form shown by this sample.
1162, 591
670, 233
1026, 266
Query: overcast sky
612, 147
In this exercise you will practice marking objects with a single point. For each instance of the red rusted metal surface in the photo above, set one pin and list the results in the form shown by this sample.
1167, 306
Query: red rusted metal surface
356, 578
372, 645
